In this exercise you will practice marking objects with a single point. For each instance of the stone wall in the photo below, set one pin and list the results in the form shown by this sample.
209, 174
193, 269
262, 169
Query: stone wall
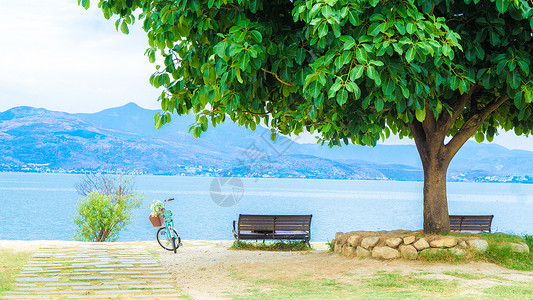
407, 244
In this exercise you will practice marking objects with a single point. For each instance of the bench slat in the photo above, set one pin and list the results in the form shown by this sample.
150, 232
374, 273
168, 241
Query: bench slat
470, 223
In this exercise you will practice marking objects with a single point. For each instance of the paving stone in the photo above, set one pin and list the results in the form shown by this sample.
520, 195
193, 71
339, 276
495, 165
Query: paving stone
149, 266
126, 282
38, 289
93, 270
26, 275
158, 272
93, 297
63, 293
99, 287
161, 286
36, 279
150, 276
32, 269
68, 284
26, 297
44, 265
90, 278
121, 273
113, 266
146, 269
164, 291
118, 292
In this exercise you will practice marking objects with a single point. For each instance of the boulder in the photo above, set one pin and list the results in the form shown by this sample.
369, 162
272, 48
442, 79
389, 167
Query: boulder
338, 246
369, 242
354, 240
385, 253
409, 240
421, 244
462, 244
393, 242
361, 252
348, 250
443, 242
478, 245
456, 251
519, 248
408, 251
338, 235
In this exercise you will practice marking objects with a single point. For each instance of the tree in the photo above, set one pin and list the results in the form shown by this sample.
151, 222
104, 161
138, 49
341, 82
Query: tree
107, 207
352, 71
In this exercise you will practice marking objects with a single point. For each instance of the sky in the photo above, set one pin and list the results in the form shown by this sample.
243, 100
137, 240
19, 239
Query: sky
56, 55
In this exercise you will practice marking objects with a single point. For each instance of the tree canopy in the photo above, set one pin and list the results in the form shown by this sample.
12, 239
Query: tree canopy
353, 71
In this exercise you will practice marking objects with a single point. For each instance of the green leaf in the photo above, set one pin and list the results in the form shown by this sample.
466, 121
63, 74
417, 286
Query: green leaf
124, 28
420, 114
342, 97
356, 72
502, 5
220, 49
479, 137
379, 103
239, 36
256, 36
410, 54
349, 42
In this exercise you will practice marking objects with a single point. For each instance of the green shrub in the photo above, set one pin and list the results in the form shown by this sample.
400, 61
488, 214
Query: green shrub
101, 217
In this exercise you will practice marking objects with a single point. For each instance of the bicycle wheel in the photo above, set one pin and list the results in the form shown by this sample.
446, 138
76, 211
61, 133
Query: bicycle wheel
166, 241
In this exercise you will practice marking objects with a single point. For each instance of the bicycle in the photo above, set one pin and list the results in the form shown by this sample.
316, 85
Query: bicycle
167, 236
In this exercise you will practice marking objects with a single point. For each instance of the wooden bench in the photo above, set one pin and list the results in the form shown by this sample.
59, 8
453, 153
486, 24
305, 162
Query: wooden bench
471, 223
273, 227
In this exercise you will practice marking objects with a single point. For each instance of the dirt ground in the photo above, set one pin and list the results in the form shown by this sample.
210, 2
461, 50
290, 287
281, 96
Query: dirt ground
211, 270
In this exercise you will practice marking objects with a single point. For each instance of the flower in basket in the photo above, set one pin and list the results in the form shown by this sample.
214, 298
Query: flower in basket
156, 207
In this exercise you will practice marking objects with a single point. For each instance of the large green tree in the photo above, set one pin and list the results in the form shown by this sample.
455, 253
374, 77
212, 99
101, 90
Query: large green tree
351, 71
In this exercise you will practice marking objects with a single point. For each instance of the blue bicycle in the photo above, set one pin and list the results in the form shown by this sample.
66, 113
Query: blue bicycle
167, 236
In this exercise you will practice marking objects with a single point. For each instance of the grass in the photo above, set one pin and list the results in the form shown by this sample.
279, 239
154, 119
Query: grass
273, 246
11, 263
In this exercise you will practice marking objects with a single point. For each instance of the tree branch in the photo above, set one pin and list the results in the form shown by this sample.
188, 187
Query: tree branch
446, 120
277, 77
472, 124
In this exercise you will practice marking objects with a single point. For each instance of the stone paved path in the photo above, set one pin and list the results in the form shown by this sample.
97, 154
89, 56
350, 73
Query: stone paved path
92, 271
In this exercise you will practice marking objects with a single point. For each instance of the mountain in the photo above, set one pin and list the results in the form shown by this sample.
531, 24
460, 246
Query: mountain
124, 139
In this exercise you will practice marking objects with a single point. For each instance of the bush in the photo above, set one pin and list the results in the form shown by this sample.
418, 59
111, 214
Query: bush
101, 217
273, 246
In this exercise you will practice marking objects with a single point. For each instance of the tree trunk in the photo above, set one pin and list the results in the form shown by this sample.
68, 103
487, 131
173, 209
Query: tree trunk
436, 219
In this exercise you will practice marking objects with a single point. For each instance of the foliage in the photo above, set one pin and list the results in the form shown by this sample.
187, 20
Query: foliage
275, 246
156, 207
331, 246
101, 217
350, 71
353, 70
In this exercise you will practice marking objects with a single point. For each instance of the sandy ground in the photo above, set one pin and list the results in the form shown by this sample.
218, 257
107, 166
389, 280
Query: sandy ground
210, 270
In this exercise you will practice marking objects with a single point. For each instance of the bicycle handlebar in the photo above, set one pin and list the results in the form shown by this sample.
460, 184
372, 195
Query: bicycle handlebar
169, 200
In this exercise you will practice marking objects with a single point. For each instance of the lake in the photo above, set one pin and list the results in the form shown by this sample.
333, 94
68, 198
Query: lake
41, 206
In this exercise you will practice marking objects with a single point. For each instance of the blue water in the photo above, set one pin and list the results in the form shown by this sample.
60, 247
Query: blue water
41, 206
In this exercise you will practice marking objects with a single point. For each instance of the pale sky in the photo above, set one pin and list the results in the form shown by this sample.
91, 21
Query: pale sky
56, 55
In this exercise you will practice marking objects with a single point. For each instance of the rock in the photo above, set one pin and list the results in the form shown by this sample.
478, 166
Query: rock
354, 240
369, 242
338, 246
361, 252
456, 251
348, 250
478, 245
393, 242
519, 248
409, 240
444, 242
421, 244
408, 251
462, 244
338, 235
385, 253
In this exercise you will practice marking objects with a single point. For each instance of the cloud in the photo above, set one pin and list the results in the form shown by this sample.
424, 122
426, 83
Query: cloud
58, 56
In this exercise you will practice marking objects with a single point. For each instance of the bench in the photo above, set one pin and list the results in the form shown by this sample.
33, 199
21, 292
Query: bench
273, 227
471, 223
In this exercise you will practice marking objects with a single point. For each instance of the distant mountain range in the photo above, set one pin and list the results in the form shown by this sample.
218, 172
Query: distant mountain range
124, 140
